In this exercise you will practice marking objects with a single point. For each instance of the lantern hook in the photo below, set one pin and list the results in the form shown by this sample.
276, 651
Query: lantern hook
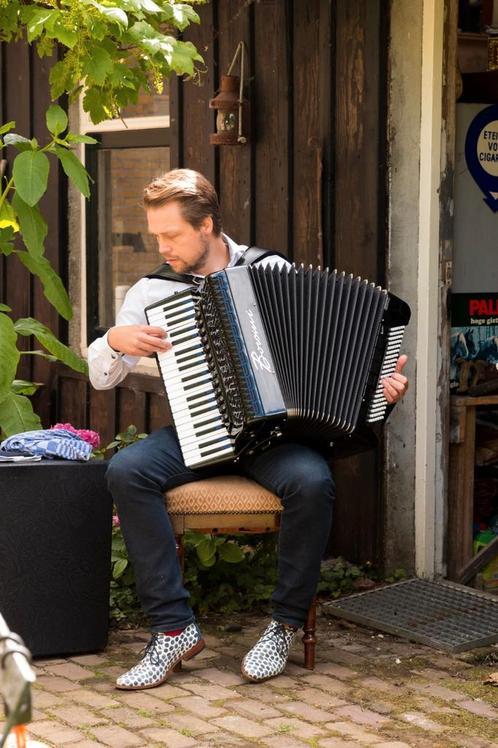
239, 52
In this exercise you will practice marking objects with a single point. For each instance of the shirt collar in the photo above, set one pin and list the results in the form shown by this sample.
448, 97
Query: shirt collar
235, 252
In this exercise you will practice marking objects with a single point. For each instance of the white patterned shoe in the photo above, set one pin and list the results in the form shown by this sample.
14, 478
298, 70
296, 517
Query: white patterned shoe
269, 655
160, 656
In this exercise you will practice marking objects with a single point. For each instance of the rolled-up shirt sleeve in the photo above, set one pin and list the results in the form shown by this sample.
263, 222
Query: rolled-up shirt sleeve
107, 367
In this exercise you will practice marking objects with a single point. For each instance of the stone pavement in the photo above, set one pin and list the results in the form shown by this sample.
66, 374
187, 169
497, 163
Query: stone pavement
367, 689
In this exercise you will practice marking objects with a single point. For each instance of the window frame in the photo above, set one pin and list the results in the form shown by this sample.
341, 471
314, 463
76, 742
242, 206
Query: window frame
115, 139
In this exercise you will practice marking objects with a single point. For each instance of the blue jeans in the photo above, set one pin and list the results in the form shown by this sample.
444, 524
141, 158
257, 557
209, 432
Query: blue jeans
137, 478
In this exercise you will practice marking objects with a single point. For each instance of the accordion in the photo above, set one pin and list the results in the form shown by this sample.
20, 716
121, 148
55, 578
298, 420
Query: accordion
264, 352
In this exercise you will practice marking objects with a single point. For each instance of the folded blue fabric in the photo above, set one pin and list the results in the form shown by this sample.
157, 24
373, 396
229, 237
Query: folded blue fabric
48, 443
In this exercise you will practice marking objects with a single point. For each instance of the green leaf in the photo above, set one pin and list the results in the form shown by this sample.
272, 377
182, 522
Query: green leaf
23, 387
53, 287
117, 544
183, 58
141, 31
74, 169
194, 538
17, 415
147, 6
231, 552
18, 141
36, 19
8, 217
45, 46
206, 551
94, 102
115, 14
33, 226
98, 66
9, 355
6, 248
7, 234
119, 568
30, 174
56, 119
98, 29
42, 354
112, 13
30, 326
6, 241
130, 78
179, 15
73, 138
208, 562
60, 79
5, 308
58, 30
184, 15
9, 21
8, 126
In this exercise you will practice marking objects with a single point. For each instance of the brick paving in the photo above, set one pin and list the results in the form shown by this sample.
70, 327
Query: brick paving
367, 690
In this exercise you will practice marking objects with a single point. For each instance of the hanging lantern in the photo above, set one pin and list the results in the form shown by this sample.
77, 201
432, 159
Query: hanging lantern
232, 110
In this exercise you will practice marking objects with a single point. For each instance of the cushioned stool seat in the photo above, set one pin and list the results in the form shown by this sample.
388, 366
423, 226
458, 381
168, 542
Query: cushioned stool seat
228, 505
207, 504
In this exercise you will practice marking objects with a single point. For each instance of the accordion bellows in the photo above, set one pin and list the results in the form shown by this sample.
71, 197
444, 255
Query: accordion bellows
287, 350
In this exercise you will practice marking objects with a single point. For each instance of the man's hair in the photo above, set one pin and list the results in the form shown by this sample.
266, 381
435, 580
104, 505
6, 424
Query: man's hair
194, 193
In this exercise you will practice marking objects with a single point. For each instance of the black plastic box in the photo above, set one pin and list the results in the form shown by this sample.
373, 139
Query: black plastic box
55, 554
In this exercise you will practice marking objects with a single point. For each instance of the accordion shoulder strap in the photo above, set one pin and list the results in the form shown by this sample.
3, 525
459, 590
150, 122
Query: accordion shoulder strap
166, 272
251, 256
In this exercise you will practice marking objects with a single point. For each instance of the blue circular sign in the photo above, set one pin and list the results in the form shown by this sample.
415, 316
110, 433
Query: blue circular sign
481, 153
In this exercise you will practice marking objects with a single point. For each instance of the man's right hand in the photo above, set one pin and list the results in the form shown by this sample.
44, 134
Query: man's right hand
138, 340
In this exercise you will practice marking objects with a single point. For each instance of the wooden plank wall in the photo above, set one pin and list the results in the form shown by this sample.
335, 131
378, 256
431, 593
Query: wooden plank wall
359, 235
310, 183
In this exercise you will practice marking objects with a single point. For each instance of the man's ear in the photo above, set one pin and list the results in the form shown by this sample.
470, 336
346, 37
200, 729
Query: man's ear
207, 226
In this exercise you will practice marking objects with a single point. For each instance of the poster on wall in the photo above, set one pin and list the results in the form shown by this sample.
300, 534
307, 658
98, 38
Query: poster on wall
474, 336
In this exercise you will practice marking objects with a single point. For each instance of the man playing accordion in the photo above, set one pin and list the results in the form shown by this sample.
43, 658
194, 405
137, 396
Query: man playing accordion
183, 214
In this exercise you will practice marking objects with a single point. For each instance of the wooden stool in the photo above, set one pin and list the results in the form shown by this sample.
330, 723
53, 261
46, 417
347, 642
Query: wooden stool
228, 505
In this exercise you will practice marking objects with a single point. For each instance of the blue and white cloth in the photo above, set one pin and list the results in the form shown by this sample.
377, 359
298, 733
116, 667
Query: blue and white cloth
47, 443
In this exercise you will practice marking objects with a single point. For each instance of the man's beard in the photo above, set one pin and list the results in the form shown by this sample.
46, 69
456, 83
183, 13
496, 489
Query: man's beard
196, 268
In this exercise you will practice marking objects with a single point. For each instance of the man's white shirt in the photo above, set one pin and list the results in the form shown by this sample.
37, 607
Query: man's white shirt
107, 367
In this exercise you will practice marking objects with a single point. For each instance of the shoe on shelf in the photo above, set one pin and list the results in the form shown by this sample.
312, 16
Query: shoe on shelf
269, 655
160, 656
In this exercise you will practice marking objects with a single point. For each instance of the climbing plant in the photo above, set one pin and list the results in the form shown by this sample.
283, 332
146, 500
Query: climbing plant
106, 53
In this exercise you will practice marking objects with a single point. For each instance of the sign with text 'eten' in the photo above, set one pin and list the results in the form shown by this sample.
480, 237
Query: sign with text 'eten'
481, 153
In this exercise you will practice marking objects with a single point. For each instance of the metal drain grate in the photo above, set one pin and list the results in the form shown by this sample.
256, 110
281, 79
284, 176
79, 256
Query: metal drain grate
443, 615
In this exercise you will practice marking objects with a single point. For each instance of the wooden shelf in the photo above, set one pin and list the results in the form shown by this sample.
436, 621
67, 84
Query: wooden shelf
462, 565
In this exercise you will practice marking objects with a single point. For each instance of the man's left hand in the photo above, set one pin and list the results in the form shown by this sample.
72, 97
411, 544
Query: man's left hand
396, 385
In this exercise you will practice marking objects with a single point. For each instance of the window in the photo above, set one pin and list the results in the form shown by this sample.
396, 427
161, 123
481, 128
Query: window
129, 153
